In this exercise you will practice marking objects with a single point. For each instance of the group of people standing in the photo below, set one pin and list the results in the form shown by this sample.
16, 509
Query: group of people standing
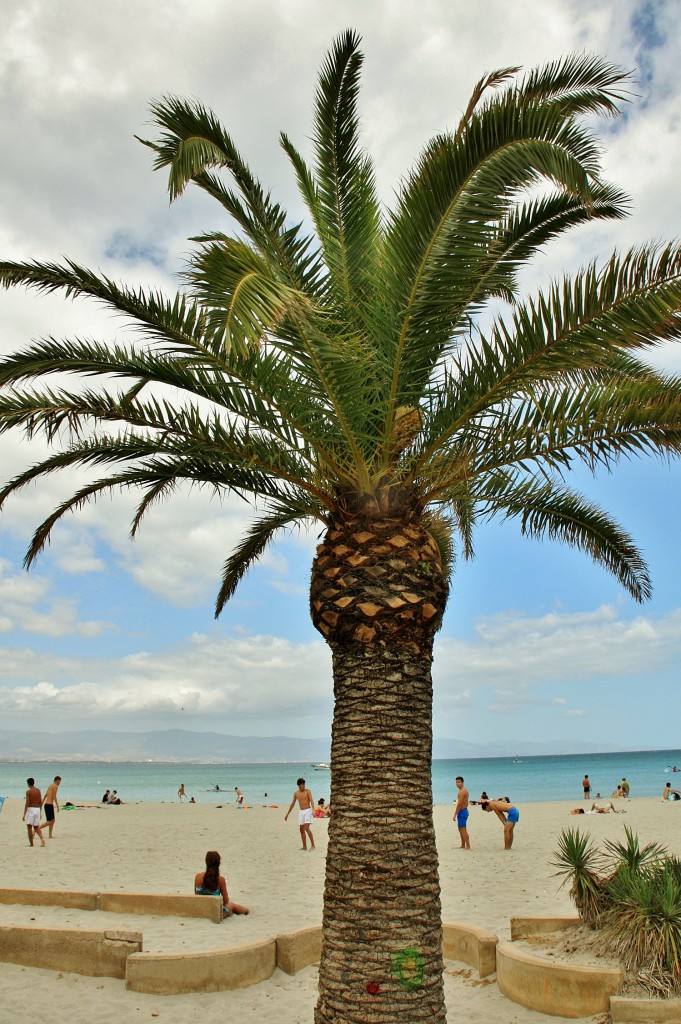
507, 813
34, 806
621, 790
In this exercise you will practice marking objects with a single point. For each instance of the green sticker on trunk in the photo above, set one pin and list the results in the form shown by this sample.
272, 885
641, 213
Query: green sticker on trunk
408, 968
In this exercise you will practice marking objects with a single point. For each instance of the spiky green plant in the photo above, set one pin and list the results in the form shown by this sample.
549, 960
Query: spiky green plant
578, 860
642, 925
632, 895
631, 855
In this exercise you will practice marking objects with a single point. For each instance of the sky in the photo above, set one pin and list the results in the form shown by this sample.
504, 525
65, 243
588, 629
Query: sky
538, 645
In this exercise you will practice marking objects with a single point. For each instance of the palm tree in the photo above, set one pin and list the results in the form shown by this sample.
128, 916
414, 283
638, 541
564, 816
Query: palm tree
335, 373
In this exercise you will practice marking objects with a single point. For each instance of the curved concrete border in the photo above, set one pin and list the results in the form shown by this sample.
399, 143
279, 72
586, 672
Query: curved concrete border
155, 904
476, 947
172, 974
102, 954
645, 1011
557, 989
522, 927
299, 949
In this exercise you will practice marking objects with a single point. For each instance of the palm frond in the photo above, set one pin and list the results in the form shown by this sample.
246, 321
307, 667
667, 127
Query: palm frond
346, 208
259, 535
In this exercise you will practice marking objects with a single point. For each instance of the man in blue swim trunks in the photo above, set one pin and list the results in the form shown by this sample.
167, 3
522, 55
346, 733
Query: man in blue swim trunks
507, 814
461, 813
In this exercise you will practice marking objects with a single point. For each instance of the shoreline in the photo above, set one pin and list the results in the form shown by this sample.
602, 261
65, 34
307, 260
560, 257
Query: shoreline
147, 847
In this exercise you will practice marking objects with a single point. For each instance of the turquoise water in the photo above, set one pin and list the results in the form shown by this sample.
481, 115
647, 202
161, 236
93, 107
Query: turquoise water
534, 778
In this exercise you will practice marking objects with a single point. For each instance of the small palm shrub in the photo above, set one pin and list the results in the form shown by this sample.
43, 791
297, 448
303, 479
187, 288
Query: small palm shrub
632, 895
579, 861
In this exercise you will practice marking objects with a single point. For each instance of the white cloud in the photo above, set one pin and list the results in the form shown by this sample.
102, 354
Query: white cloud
29, 604
515, 648
205, 678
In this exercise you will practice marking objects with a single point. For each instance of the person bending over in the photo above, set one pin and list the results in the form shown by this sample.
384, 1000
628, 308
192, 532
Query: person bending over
211, 883
507, 814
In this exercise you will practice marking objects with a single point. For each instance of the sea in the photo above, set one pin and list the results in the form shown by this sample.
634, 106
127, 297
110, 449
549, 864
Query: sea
522, 779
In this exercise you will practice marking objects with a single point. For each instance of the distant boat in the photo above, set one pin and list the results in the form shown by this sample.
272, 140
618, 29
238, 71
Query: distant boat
322, 767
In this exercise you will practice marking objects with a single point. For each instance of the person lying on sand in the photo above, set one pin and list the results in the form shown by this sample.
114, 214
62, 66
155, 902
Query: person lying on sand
211, 883
596, 809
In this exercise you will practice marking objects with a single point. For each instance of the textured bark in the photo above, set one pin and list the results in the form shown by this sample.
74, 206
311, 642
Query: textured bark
377, 595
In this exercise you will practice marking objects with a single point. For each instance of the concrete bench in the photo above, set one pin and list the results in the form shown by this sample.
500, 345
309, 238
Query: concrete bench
102, 954
155, 904
208, 971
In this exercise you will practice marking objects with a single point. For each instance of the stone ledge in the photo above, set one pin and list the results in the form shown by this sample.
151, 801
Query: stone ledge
155, 904
101, 954
50, 897
523, 927
215, 971
557, 989
476, 947
299, 949
644, 1011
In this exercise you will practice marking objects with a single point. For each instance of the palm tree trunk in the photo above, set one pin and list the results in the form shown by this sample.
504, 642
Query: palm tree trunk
381, 957
377, 595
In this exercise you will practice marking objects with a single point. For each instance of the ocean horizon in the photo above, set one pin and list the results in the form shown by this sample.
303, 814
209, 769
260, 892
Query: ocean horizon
523, 779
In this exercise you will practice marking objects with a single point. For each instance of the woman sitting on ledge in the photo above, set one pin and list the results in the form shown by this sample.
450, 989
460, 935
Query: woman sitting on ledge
211, 883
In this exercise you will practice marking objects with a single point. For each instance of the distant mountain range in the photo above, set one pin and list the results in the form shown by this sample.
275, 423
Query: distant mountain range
184, 745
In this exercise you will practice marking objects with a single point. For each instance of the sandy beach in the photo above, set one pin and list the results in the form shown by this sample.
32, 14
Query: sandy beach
159, 848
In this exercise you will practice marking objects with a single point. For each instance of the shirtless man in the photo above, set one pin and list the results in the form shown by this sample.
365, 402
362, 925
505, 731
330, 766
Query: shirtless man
303, 797
31, 813
461, 813
239, 797
507, 814
181, 793
50, 802
670, 794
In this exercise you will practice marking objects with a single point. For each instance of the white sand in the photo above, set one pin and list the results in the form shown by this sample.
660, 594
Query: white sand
159, 848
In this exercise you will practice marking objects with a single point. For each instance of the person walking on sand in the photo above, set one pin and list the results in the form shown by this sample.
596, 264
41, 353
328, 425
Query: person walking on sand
507, 814
181, 793
461, 813
303, 797
50, 802
586, 786
31, 813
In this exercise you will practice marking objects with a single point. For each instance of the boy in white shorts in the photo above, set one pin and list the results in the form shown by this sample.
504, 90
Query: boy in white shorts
32, 811
303, 797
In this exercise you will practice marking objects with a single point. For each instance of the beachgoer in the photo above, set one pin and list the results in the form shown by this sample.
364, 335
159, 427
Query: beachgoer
239, 797
211, 883
50, 802
114, 798
625, 787
31, 813
461, 813
105, 798
617, 793
303, 797
670, 794
507, 814
322, 810
598, 809
181, 793
192, 800
586, 786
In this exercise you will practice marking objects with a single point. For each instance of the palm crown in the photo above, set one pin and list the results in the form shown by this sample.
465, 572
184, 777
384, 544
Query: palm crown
341, 369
